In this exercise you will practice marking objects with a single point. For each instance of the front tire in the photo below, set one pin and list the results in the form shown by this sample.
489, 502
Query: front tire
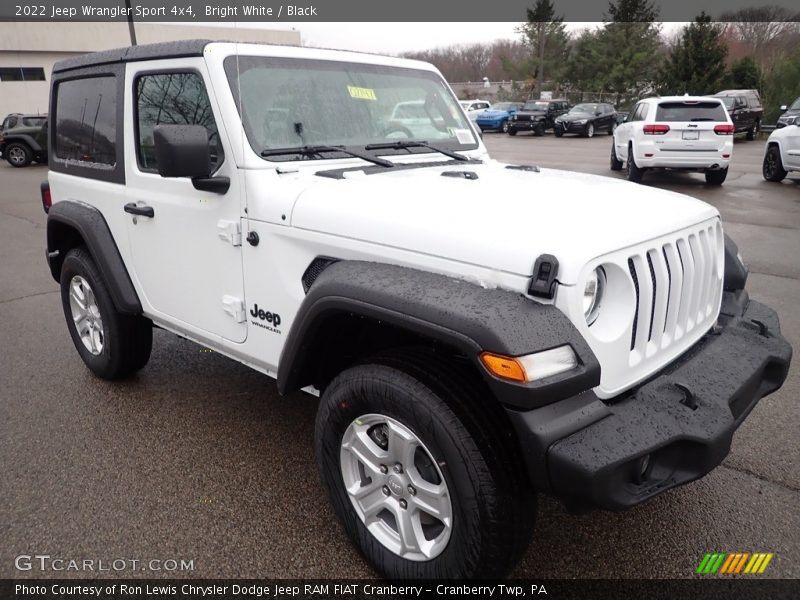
772, 168
539, 130
589, 130
716, 177
632, 172
112, 345
512, 132
504, 126
425, 481
19, 155
557, 131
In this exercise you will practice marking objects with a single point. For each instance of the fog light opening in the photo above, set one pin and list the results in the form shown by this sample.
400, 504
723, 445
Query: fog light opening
642, 469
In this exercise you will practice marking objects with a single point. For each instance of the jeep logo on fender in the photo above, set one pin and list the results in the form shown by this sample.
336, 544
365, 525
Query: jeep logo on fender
264, 315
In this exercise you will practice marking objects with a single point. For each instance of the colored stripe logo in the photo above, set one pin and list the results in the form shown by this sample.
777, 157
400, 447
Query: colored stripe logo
734, 563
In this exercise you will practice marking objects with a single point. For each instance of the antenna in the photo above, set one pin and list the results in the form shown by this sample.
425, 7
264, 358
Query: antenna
131, 29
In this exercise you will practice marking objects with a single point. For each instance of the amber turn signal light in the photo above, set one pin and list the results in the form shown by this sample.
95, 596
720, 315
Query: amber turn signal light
505, 367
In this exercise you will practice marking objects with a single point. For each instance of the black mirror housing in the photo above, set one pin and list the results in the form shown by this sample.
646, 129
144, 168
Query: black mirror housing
182, 151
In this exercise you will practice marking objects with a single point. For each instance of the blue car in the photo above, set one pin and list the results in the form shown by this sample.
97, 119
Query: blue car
496, 116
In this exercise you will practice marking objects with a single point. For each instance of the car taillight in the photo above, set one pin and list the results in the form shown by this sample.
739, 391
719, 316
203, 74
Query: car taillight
47, 200
656, 129
724, 129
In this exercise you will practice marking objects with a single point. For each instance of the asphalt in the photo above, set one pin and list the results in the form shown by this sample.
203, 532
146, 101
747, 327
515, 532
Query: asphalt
198, 458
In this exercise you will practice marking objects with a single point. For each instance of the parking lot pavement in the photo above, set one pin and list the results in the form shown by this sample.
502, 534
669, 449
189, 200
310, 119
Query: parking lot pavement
198, 458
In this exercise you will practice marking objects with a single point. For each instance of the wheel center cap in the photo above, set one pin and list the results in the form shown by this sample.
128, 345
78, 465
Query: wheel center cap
394, 485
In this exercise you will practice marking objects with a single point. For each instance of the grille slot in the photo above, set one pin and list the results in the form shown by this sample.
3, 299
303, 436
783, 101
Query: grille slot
677, 285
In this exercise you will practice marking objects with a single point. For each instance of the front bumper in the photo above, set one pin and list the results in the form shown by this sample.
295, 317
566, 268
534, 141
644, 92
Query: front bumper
592, 453
525, 125
571, 126
490, 124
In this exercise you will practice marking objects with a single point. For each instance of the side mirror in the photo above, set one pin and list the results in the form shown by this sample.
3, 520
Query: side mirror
598, 113
784, 107
184, 151
625, 119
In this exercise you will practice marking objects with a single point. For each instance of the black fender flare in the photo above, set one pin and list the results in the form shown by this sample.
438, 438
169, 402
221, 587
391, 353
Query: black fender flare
735, 277
24, 138
68, 218
452, 311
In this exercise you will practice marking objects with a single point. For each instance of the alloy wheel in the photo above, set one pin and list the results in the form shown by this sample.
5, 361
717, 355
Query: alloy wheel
86, 315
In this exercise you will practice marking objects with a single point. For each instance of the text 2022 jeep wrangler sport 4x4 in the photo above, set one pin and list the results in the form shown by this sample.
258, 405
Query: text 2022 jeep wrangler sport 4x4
472, 341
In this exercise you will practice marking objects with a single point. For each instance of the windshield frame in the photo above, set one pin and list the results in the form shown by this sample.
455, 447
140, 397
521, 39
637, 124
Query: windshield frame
231, 65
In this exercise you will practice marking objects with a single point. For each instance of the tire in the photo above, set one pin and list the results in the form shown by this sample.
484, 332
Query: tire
751, 133
539, 130
613, 128
632, 172
589, 130
504, 126
557, 131
113, 345
716, 177
512, 132
616, 163
18, 154
469, 445
772, 167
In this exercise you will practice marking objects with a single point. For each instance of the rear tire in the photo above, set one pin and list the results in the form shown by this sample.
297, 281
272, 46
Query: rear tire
18, 154
112, 345
751, 133
616, 163
512, 132
468, 443
716, 177
632, 172
539, 130
772, 168
613, 128
557, 131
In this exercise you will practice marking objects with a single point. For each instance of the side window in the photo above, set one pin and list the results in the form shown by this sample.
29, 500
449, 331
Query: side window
172, 99
10, 122
637, 113
86, 120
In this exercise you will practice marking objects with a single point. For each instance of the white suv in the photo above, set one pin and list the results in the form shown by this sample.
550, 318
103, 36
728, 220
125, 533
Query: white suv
471, 342
782, 153
691, 133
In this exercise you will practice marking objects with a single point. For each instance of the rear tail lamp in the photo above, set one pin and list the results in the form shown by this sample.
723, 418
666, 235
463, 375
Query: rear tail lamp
47, 200
656, 129
724, 129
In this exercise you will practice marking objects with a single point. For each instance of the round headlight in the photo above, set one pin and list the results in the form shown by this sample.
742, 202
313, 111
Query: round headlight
593, 294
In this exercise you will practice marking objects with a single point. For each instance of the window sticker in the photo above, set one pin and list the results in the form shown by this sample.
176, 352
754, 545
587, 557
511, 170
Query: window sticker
361, 93
464, 136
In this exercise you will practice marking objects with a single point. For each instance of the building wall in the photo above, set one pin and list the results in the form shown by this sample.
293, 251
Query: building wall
43, 44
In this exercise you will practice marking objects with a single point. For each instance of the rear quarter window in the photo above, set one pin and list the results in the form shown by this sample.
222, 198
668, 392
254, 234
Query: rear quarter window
86, 121
690, 111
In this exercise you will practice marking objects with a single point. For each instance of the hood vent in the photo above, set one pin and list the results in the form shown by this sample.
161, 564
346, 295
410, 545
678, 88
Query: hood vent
461, 174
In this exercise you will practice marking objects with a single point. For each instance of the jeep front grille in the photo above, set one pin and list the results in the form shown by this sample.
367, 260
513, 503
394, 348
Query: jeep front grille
678, 287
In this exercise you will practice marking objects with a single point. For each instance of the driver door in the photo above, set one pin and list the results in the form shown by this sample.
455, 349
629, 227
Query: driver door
187, 255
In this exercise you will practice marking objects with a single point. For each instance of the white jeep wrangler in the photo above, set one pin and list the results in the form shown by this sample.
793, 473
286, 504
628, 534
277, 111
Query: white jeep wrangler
472, 340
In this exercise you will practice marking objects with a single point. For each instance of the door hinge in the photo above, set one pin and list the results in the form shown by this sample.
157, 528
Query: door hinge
230, 231
234, 307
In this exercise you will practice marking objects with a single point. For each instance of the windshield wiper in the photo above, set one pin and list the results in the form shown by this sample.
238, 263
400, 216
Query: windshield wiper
317, 150
405, 144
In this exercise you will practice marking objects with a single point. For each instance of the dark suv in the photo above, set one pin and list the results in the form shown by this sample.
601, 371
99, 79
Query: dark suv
537, 116
744, 107
790, 116
23, 139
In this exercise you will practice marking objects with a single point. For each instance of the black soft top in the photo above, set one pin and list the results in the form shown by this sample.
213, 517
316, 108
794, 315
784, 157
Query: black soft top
179, 49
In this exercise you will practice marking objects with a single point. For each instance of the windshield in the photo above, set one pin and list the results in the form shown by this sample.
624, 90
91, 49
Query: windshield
504, 106
535, 106
690, 111
584, 108
288, 103
795, 105
728, 101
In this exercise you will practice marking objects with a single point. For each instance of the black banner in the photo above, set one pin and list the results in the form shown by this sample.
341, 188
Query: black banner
718, 588
361, 10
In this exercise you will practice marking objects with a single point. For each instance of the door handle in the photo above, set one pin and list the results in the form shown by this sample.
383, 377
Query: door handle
143, 211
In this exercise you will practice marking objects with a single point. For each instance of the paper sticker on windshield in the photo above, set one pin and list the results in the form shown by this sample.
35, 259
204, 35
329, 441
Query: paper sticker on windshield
464, 136
361, 93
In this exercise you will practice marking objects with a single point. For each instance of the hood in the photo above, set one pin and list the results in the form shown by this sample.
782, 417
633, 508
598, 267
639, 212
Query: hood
533, 111
490, 114
502, 221
576, 116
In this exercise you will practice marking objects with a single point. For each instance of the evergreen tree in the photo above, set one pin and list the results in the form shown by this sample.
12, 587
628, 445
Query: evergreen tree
545, 37
696, 63
744, 74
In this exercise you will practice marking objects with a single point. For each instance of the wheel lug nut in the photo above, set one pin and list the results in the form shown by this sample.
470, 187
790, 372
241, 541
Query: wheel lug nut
386, 491
398, 468
403, 504
412, 490
384, 469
